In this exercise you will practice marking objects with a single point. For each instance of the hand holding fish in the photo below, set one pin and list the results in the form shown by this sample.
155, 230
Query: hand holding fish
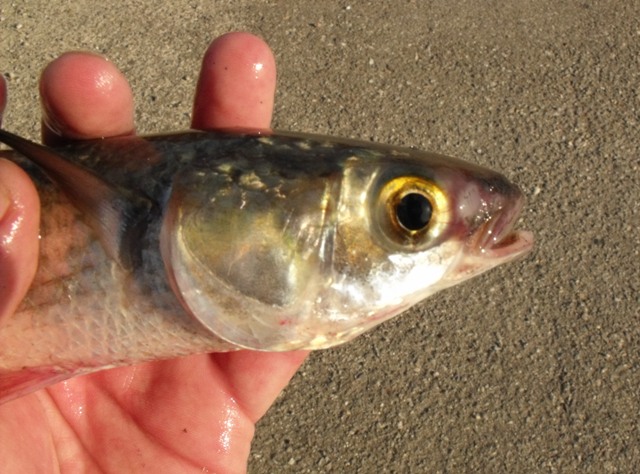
231, 238
169, 416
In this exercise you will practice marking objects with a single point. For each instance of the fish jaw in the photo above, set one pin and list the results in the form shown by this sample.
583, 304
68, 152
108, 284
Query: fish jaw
490, 239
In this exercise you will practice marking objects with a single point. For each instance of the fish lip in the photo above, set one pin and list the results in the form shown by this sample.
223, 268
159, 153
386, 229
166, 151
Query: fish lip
497, 239
513, 245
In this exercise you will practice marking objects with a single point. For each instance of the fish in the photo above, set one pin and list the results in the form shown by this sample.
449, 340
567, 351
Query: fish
161, 246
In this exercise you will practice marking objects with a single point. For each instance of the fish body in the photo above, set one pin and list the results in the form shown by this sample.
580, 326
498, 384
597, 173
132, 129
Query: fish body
162, 246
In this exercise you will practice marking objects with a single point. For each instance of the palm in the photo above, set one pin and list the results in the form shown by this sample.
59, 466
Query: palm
195, 413
171, 416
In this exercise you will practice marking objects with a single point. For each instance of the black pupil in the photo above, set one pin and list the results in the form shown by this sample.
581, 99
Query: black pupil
414, 211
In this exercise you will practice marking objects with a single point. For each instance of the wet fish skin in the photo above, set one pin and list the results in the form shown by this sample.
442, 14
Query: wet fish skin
87, 307
156, 247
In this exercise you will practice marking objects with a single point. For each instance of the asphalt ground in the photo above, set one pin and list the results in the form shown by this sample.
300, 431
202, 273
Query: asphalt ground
533, 367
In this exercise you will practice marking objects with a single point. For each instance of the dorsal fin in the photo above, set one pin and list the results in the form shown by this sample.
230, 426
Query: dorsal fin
116, 214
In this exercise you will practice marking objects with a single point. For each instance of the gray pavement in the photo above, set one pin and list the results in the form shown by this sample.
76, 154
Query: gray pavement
534, 367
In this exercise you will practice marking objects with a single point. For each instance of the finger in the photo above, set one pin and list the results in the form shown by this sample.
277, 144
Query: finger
19, 221
256, 378
19, 218
84, 96
236, 89
237, 84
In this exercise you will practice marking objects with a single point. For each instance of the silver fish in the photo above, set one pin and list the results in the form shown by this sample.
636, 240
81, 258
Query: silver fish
162, 246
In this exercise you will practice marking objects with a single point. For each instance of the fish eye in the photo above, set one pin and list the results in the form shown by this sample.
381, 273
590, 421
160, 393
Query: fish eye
413, 211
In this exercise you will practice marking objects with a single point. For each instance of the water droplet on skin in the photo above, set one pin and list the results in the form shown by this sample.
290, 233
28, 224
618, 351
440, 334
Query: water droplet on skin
257, 69
7, 239
229, 418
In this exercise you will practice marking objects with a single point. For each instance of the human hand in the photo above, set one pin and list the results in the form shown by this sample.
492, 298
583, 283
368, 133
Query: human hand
191, 414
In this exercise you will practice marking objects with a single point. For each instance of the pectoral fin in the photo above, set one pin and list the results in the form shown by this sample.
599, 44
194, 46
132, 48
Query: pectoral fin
117, 215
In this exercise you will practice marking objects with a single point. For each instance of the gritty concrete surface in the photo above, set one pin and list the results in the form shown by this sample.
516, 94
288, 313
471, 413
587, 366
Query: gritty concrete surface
534, 367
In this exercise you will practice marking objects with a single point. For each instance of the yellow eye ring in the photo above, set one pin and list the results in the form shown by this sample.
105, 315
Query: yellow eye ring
414, 211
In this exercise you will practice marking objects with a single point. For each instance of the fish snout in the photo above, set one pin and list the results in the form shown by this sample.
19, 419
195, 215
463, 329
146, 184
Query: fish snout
493, 235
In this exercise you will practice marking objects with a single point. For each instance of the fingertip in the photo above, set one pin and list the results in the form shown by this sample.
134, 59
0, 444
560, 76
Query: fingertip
237, 83
19, 223
85, 96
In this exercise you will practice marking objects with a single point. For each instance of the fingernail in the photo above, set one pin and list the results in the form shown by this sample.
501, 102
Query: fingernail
49, 118
51, 129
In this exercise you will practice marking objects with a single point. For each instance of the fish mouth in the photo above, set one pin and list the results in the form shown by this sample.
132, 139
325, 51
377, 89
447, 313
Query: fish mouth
496, 239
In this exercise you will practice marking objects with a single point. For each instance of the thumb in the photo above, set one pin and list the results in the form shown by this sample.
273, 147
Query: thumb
19, 222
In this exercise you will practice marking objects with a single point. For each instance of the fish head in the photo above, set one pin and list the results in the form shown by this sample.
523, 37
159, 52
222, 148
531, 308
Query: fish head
447, 219
413, 223
280, 260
